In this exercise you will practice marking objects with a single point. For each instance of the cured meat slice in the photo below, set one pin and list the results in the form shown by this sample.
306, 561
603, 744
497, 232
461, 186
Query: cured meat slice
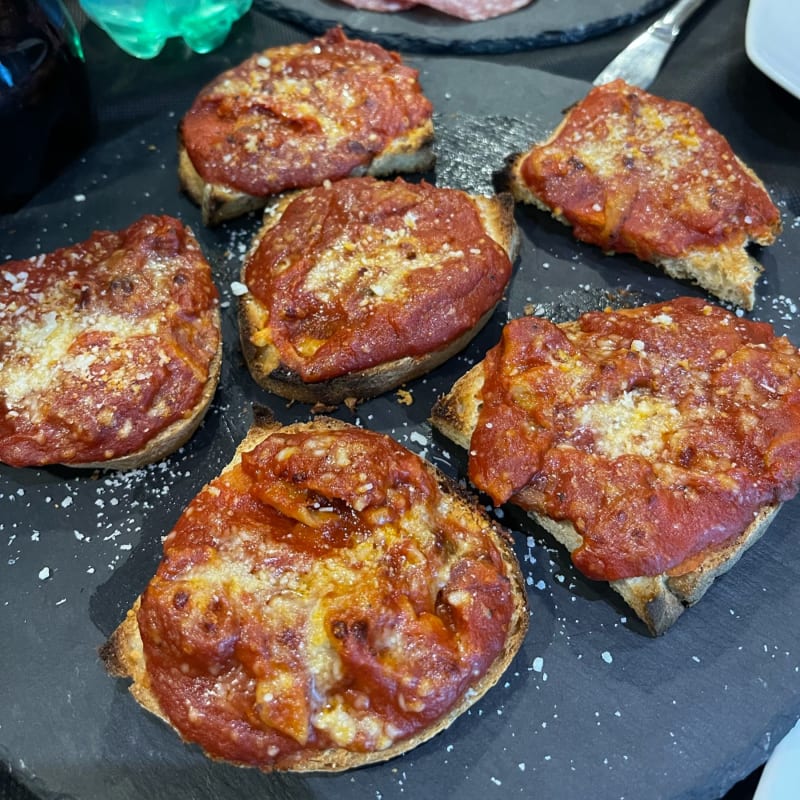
470, 10
381, 5
476, 10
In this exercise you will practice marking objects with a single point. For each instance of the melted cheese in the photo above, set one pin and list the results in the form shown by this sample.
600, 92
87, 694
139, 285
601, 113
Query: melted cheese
660, 144
42, 352
631, 424
302, 601
317, 592
374, 268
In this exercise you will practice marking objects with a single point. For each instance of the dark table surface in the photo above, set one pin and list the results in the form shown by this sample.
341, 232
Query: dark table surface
708, 68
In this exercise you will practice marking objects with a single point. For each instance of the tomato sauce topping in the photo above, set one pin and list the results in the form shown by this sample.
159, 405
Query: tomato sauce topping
104, 344
295, 115
632, 172
656, 431
323, 593
362, 272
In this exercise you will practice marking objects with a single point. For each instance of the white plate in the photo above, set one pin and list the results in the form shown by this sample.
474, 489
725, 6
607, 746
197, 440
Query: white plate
771, 40
780, 779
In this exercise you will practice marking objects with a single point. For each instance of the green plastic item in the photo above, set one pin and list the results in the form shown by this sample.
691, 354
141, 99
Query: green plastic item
142, 27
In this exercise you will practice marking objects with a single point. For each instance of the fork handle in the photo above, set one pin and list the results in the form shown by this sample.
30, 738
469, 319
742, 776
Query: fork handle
678, 14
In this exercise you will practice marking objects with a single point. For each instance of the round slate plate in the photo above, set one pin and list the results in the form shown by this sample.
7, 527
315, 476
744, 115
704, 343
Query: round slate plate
591, 706
543, 23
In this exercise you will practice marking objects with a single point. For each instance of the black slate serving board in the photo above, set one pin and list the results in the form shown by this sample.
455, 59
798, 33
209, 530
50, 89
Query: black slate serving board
591, 706
543, 23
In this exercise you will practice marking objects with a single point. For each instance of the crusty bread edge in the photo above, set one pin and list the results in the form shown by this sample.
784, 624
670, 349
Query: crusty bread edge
356, 386
122, 654
657, 600
412, 152
497, 215
217, 203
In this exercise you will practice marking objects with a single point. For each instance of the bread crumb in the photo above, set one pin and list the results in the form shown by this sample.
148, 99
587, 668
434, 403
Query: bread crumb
404, 397
418, 438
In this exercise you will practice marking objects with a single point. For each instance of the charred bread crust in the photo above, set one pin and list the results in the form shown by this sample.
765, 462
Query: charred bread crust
355, 386
657, 600
727, 271
122, 654
497, 212
410, 153
217, 203
264, 362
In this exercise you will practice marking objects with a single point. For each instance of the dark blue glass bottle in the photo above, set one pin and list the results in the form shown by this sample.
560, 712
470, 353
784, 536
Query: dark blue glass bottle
45, 109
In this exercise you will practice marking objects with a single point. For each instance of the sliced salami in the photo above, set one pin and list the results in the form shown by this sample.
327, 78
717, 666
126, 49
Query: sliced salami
470, 10
476, 10
381, 5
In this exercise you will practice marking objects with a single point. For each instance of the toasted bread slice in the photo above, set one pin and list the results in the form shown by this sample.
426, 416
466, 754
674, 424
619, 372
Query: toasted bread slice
361, 260
660, 596
658, 600
294, 116
338, 724
634, 173
115, 355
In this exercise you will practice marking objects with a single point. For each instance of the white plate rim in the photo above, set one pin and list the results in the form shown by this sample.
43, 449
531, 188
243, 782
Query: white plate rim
781, 775
771, 32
